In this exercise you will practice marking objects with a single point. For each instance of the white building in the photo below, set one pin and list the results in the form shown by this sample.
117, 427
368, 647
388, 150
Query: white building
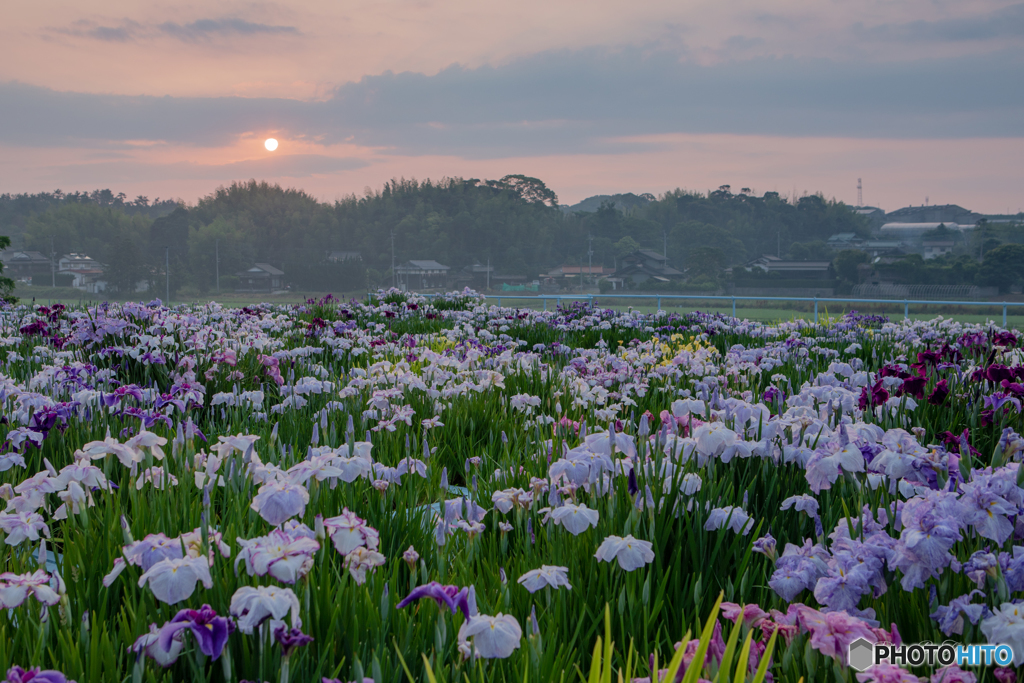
87, 272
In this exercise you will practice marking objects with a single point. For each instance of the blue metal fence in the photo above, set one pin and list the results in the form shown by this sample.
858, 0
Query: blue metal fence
591, 298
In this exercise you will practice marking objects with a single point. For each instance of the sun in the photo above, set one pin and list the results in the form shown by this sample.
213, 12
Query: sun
270, 144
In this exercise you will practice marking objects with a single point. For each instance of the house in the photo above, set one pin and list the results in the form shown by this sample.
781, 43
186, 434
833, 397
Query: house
797, 270
23, 265
950, 214
875, 248
419, 275
844, 240
568, 277
910, 231
86, 272
77, 262
642, 265
936, 248
476, 276
262, 277
342, 256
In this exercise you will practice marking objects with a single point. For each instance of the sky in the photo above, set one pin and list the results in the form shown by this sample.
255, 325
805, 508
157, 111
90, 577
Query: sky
921, 99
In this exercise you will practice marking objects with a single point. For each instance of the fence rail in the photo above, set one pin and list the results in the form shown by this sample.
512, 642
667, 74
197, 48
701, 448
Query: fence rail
591, 298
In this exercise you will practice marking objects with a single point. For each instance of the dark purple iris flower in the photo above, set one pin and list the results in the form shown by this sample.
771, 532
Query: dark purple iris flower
955, 443
291, 639
453, 597
939, 393
210, 631
773, 394
1004, 339
878, 395
997, 373
914, 386
1014, 388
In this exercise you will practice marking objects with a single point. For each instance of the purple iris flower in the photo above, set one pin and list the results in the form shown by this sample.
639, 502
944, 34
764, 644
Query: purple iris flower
951, 616
453, 597
765, 545
844, 585
152, 358
210, 631
980, 564
1012, 567
168, 399
35, 675
149, 418
290, 639
117, 395
998, 400
799, 568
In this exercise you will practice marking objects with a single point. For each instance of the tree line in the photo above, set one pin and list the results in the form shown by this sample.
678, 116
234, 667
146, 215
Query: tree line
514, 222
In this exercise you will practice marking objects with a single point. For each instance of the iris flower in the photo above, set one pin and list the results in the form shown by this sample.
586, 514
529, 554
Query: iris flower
279, 501
493, 637
175, 580
252, 606
630, 552
575, 518
536, 579
149, 644
210, 631
454, 598
15, 589
35, 675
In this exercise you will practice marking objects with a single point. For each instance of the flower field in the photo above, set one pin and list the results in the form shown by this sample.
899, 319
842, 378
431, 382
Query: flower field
411, 489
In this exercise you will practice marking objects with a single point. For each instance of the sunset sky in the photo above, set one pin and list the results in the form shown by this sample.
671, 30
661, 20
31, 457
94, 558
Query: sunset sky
920, 98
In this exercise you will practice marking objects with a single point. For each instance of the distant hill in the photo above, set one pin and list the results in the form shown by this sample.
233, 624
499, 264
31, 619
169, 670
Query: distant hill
622, 202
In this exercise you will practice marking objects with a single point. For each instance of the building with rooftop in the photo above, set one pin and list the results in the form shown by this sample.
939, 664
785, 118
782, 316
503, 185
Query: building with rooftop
422, 274
24, 265
262, 277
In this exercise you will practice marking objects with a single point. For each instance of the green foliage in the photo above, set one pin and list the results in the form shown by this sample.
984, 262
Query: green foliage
6, 283
53, 280
816, 250
846, 262
1004, 266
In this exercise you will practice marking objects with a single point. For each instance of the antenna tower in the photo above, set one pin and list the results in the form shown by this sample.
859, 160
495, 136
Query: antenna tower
860, 193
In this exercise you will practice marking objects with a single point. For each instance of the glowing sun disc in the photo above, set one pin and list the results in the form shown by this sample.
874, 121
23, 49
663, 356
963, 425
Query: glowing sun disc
270, 144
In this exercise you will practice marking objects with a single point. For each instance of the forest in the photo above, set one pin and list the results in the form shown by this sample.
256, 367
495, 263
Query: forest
514, 222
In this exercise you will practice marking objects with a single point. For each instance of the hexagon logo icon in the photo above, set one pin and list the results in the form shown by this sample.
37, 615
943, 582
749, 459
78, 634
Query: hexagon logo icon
861, 654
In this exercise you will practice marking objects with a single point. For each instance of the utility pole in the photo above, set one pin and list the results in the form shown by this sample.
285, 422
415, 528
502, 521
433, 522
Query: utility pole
217, 259
393, 274
488, 273
167, 274
53, 264
664, 248
590, 257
